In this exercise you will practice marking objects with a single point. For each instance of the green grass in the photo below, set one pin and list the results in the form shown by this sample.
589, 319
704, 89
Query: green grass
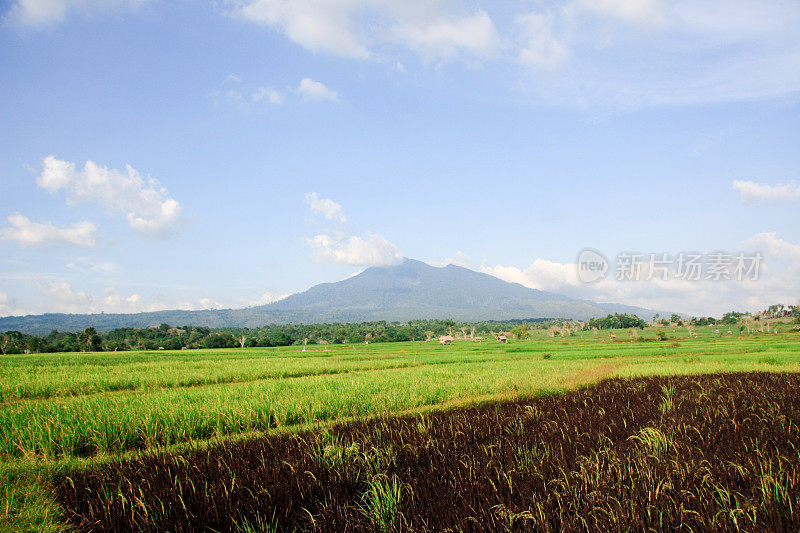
57, 408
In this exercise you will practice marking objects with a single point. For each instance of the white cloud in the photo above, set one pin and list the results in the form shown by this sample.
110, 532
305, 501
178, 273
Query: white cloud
267, 298
639, 53
338, 246
459, 259
638, 11
114, 302
49, 12
356, 273
83, 264
314, 91
541, 48
28, 233
542, 274
317, 25
770, 244
244, 95
357, 28
270, 95
608, 53
778, 282
65, 298
59, 296
8, 306
449, 36
208, 303
148, 207
750, 190
372, 250
62, 298
325, 207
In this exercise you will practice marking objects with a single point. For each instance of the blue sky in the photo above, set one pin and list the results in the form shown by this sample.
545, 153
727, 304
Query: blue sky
198, 154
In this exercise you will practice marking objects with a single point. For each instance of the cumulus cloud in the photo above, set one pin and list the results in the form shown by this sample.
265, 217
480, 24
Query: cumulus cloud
234, 90
778, 281
208, 303
542, 274
148, 207
318, 26
338, 246
8, 306
49, 12
750, 190
609, 53
59, 296
267, 94
449, 36
540, 48
372, 250
63, 298
267, 298
459, 259
314, 91
53, 295
325, 207
769, 243
357, 27
27, 233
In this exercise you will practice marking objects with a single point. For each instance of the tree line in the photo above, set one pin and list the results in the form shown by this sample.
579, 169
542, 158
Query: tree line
168, 337
615, 321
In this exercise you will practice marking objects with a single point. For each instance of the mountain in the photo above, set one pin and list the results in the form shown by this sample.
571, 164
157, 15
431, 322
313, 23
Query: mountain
408, 291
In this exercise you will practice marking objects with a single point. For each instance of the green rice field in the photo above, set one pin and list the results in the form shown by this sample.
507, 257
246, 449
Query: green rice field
80, 410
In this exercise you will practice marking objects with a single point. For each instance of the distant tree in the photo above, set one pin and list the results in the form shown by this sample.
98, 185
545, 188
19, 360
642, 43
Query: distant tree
90, 340
520, 332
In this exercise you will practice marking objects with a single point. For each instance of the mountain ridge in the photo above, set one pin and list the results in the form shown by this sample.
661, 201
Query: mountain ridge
411, 290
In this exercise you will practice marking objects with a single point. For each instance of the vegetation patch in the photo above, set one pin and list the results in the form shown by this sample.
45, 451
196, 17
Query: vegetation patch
711, 452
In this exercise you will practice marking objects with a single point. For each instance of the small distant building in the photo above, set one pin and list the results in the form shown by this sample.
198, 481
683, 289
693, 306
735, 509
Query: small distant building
160, 347
446, 339
477, 339
502, 338
612, 336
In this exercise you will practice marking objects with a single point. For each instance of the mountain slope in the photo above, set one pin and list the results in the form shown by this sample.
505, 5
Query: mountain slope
415, 289
408, 291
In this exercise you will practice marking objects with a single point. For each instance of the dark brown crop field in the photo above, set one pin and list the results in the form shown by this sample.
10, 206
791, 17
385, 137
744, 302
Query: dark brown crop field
712, 452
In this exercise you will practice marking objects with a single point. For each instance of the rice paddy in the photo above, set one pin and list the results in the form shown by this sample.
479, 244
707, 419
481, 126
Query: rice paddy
70, 416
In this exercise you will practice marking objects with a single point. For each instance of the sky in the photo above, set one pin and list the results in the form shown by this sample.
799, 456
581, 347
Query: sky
197, 155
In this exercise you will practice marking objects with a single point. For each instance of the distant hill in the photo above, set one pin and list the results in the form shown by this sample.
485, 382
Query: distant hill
408, 291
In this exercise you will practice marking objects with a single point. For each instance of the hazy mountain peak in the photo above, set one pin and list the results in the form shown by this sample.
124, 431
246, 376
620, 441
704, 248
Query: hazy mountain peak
407, 291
